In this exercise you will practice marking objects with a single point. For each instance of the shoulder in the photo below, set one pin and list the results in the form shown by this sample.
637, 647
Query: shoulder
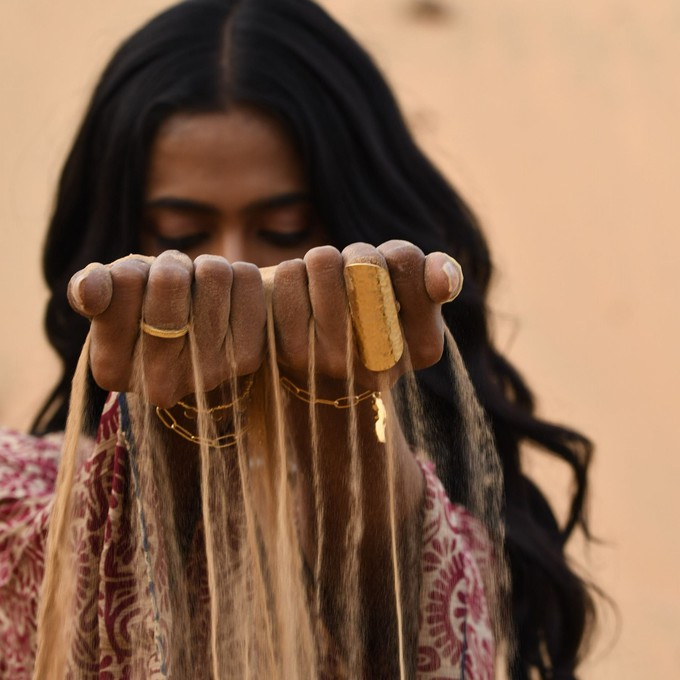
28, 472
28, 465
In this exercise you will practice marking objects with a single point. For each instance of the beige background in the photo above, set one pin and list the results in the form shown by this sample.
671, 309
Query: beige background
559, 122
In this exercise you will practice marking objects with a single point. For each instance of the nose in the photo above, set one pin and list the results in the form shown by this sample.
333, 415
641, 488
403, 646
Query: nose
230, 244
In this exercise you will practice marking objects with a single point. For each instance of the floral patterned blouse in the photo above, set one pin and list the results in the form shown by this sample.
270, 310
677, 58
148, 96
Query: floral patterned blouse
454, 641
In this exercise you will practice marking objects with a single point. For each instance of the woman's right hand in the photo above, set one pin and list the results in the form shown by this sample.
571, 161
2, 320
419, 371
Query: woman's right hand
163, 292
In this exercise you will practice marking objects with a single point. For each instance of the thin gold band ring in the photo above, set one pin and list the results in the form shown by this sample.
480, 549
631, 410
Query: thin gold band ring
166, 334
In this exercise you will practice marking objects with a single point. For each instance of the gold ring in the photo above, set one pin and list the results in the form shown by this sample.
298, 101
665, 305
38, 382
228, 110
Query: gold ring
375, 315
169, 334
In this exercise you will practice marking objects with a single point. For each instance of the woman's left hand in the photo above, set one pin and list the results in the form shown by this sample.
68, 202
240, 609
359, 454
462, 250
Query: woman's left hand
315, 288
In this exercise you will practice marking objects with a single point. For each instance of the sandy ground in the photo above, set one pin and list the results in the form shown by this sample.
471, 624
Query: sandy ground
559, 122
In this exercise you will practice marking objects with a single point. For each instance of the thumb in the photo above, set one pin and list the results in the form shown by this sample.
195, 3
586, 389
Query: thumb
443, 277
89, 290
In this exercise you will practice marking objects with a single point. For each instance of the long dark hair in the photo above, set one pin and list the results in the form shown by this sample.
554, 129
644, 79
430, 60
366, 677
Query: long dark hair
371, 183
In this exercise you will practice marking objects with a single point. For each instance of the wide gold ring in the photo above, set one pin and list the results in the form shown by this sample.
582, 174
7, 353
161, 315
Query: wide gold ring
166, 334
375, 315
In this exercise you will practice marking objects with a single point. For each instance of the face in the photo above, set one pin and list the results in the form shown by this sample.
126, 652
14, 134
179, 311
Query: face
228, 184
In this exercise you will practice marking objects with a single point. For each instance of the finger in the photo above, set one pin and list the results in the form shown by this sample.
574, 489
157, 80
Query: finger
362, 252
135, 256
421, 319
368, 343
405, 263
329, 308
213, 277
443, 277
167, 361
89, 290
248, 317
114, 332
292, 311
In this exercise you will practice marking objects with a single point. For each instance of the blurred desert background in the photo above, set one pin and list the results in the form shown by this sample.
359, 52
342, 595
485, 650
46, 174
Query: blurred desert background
560, 122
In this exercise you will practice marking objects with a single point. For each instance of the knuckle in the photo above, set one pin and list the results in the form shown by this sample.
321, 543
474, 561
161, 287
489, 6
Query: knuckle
325, 276
294, 351
174, 257
214, 371
247, 283
290, 271
106, 373
162, 399
169, 276
129, 275
212, 379
246, 271
335, 366
362, 252
161, 388
400, 248
249, 363
404, 259
212, 268
322, 258
428, 350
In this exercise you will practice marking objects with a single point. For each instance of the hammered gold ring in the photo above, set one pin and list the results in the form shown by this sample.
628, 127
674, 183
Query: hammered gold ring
166, 334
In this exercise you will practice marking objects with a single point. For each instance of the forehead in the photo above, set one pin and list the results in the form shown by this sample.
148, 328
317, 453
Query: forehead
242, 154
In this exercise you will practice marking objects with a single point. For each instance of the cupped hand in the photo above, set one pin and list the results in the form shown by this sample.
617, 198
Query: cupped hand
223, 300
315, 287
219, 299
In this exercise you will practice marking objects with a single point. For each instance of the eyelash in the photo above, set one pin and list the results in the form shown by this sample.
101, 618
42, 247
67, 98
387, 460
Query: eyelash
274, 238
285, 239
182, 243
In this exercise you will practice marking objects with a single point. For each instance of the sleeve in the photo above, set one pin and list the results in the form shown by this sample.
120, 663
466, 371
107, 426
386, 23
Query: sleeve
103, 542
455, 638
28, 471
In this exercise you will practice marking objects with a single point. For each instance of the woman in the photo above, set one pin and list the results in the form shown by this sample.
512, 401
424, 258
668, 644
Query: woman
257, 131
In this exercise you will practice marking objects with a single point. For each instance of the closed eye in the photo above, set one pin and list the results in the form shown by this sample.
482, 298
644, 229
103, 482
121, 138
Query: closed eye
183, 243
283, 239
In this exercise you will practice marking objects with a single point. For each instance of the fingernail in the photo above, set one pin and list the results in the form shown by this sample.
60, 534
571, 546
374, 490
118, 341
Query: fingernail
454, 274
76, 294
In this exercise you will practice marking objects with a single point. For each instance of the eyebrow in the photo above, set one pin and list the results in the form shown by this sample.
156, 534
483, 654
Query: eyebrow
278, 201
181, 205
189, 205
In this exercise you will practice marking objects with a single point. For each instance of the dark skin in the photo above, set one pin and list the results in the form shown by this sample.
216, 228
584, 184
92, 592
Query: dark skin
230, 192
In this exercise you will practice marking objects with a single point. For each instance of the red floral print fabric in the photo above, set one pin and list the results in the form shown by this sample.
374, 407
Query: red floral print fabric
117, 545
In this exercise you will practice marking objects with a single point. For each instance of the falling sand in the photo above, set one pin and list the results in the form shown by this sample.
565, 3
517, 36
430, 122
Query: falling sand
246, 583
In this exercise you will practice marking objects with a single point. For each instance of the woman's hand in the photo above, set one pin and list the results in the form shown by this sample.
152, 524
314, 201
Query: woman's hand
315, 287
166, 292
223, 299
